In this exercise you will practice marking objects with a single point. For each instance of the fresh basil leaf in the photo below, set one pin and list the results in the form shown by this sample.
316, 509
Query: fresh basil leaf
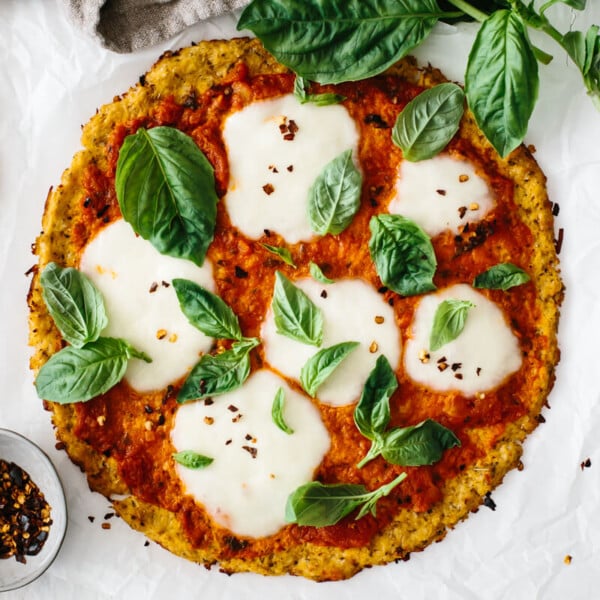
403, 254
79, 374
166, 191
421, 444
283, 253
74, 303
429, 121
501, 80
206, 311
191, 459
296, 316
576, 4
448, 322
322, 364
317, 274
334, 197
277, 412
330, 42
301, 87
318, 504
372, 413
216, 374
584, 50
501, 277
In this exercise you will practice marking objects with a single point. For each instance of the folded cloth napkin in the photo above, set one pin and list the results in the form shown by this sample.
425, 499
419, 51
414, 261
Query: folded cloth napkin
128, 25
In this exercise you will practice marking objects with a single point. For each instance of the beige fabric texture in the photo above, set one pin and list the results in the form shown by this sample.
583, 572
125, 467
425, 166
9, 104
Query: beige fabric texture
129, 25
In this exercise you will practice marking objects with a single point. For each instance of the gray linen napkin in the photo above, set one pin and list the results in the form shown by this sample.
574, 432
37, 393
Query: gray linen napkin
128, 25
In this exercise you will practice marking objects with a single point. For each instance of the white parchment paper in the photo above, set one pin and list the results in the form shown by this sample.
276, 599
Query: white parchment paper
52, 81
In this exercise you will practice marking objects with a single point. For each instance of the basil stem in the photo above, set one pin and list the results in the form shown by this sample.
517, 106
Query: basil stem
448, 322
74, 303
403, 254
206, 311
502, 276
277, 412
428, 122
321, 365
191, 459
216, 374
320, 505
296, 316
166, 191
80, 374
334, 197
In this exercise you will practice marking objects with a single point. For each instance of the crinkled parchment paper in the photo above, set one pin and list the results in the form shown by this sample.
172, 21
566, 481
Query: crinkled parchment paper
53, 79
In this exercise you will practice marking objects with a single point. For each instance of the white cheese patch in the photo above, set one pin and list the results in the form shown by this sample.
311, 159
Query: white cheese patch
276, 149
479, 359
142, 307
441, 193
352, 311
256, 465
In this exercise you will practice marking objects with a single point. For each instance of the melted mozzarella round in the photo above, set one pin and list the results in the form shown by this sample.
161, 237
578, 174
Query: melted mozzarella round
276, 149
142, 307
479, 359
256, 465
352, 311
440, 193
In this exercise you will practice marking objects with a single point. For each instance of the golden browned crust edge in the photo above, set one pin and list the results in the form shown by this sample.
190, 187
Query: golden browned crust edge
196, 69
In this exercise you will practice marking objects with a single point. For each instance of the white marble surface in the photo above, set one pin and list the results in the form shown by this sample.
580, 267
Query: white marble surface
53, 78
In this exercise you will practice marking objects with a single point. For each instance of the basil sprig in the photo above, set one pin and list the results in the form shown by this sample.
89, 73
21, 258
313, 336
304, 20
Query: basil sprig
330, 42
216, 374
166, 191
448, 322
92, 364
74, 303
334, 197
192, 459
403, 254
283, 253
206, 311
429, 121
277, 409
80, 374
301, 92
318, 504
502, 276
416, 445
321, 365
295, 315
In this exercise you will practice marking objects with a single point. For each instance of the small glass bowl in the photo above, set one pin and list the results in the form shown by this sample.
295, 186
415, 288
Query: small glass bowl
19, 450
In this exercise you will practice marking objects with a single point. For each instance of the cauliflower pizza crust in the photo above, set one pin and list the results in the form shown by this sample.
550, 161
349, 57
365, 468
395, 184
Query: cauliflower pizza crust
123, 439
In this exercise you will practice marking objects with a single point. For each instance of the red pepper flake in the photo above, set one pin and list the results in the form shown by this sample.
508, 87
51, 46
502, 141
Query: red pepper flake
586, 464
251, 450
237, 418
559, 241
268, 188
232, 408
462, 211
290, 168
153, 287
228, 442
478, 371
105, 525
462, 178
240, 273
91, 518
458, 375
288, 129
324, 294
487, 501
165, 284
456, 366
109, 515
441, 192
555, 209
208, 401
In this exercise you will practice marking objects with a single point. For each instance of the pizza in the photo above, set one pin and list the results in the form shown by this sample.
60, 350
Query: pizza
275, 343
